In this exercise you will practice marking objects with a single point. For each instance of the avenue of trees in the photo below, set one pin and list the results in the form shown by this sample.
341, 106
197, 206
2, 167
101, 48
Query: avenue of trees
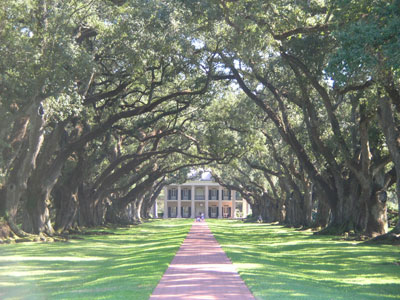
295, 104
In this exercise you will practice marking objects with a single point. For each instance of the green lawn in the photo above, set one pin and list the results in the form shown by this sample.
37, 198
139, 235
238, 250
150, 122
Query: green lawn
125, 265
275, 262
281, 263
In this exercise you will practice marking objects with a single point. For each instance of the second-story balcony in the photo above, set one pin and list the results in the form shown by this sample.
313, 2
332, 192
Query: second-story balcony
186, 194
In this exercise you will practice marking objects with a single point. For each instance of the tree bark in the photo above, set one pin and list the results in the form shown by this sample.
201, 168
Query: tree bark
323, 212
40, 185
66, 196
377, 218
152, 198
92, 210
392, 135
66, 209
22, 166
36, 215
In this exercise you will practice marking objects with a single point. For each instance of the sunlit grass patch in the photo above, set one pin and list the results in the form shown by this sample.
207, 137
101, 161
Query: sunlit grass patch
282, 263
125, 265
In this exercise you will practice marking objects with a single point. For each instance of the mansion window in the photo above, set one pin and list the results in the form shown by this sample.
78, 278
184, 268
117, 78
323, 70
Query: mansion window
213, 211
173, 194
199, 194
213, 194
226, 211
186, 194
186, 211
172, 212
226, 194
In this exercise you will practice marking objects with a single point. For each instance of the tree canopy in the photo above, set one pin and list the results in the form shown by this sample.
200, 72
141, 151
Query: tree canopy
293, 104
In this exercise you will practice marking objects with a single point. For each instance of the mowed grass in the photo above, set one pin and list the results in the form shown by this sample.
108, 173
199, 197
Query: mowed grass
125, 265
281, 263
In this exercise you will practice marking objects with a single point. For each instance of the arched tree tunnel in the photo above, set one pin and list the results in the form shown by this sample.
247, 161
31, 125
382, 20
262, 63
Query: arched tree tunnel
295, 106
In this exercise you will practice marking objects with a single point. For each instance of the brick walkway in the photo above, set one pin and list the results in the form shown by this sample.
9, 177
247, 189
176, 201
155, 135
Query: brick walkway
201, 270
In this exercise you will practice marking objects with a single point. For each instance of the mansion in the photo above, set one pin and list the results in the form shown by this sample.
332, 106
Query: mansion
204, 196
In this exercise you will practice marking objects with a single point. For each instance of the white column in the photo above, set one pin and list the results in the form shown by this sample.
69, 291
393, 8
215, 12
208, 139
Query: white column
193, 195
179, 202
244, 208
233, 197
206, 208
155, 214
220, 202
165, 203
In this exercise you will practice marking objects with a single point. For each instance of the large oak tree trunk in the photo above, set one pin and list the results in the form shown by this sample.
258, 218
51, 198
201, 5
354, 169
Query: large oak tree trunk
137, 209
92, 210
66, 202
308, 203
151, 198
23, 164
342, 209
298, 208
255, 208
392, 135
323, 211
118, 215
37, 216
66, 196
377, 214
146, 206
40, 185
272, 210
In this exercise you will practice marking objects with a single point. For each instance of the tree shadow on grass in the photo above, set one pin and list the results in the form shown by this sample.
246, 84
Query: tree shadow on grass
282, 263
125, 265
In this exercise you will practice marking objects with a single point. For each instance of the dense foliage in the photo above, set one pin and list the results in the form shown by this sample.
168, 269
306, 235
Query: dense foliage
103, 103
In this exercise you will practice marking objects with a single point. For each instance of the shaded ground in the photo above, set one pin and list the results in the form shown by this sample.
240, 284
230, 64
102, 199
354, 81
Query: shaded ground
125, 265
275, 262
281, 263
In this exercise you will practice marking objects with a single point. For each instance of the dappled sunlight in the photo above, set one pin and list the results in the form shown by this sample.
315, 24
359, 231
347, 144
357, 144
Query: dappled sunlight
298, 295
244, 266
283, 263
46, 258
128, 262
276, 262
27, 272
11, 282
239, 247
319, 272
279, 244
371, 279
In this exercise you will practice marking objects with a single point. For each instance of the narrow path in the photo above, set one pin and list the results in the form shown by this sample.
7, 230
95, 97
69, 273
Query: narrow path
201, 270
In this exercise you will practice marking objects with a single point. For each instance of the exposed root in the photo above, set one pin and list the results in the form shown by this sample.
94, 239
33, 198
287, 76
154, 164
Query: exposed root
345, 229
391, 238
10, 233
87, 232
17, 231
5, 230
